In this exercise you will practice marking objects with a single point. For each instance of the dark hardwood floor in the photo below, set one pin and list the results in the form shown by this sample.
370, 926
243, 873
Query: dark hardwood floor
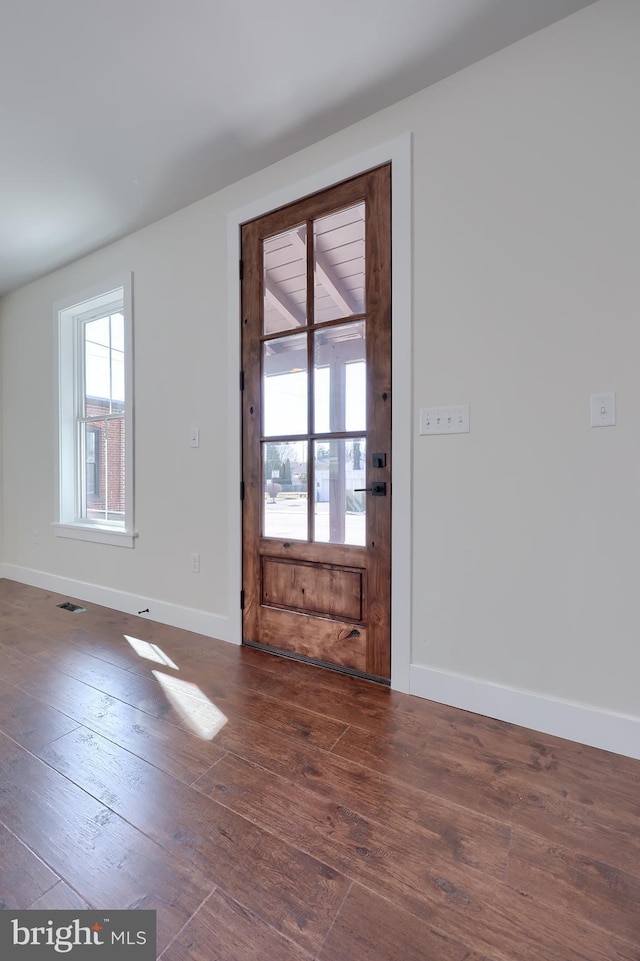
271, 811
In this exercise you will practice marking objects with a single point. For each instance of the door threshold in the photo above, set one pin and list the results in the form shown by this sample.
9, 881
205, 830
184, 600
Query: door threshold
315, 662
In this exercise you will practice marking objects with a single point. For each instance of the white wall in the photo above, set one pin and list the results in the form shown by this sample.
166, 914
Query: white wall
527, 300
180, 334
526, 293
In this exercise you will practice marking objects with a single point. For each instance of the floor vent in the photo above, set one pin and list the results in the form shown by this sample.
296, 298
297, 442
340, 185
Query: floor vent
75, 608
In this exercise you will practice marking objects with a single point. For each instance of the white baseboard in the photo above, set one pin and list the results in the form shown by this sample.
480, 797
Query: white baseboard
186, 618
575, 722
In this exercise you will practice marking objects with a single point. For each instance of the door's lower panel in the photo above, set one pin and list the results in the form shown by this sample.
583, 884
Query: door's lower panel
325, 589
319, 638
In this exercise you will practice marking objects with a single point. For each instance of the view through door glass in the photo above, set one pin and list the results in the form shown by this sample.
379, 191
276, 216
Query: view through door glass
336, 379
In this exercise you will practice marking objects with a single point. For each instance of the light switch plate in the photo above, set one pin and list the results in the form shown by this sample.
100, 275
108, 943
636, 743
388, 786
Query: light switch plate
445, 420
603, 410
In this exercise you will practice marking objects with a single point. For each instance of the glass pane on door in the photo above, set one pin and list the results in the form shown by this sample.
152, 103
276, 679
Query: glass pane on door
339, 378
339, 264
284, 368
339, 508
285, 280
285, 485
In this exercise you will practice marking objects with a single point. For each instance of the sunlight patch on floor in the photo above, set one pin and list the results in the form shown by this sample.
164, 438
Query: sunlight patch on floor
150, 651
200, 714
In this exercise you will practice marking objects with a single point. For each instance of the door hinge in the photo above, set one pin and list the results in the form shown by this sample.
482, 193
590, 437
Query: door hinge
241, 269
241, 600
241, 380
241, 490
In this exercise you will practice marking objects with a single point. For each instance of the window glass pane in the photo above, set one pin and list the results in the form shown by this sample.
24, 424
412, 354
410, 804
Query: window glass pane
117, 361
339, 264
285, 385
115, 470
339, 382
92, 445
103, 470
117, 380
97, 331
103, 364
97, 383
285, 476
285, 280
339, 509
117, 332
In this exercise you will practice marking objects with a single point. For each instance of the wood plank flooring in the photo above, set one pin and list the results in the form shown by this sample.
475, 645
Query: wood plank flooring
271, 811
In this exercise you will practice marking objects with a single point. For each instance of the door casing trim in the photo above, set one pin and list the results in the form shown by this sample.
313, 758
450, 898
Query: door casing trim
398, 153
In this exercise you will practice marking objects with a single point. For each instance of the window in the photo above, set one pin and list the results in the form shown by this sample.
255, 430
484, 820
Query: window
95, 423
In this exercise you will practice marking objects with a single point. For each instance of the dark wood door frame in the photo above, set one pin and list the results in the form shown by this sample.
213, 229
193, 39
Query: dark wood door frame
397, 151
268, 571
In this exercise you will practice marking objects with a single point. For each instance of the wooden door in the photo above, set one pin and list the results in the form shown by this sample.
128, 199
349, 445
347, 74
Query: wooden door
316, 410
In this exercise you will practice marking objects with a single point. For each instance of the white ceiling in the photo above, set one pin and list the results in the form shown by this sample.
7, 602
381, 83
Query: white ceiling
114, 113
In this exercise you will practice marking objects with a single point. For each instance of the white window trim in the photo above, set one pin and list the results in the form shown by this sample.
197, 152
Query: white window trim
66, 314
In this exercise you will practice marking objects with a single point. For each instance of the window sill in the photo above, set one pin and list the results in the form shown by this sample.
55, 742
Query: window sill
114, 536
